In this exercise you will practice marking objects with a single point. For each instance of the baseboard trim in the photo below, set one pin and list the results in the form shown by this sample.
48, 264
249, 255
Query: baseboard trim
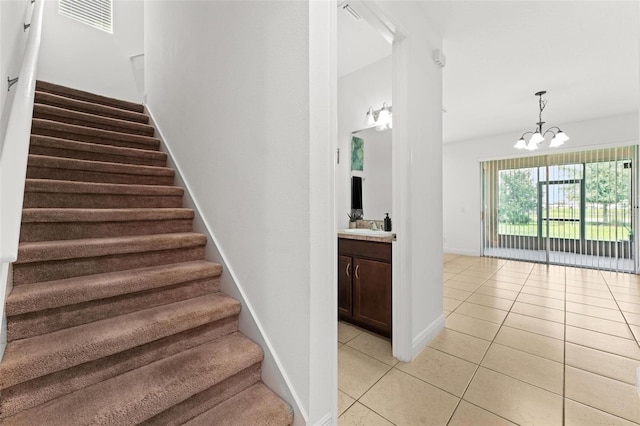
461, 251
326, 420
427, 335
234, 278
6, 284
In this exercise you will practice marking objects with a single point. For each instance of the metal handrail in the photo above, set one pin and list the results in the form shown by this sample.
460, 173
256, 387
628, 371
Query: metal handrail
15, 147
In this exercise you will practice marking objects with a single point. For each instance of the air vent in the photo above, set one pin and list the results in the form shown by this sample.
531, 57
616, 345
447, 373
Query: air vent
95, 13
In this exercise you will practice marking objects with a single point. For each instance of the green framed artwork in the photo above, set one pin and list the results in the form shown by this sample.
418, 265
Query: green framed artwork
357, 154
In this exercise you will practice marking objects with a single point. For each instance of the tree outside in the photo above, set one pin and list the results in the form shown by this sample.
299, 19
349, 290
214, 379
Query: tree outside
606, 183
517, 196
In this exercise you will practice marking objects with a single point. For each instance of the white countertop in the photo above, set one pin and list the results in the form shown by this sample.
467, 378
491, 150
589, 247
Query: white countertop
367, 235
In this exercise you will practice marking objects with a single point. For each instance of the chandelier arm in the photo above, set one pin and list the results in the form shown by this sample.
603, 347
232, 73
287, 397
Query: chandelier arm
542, 104
539, 133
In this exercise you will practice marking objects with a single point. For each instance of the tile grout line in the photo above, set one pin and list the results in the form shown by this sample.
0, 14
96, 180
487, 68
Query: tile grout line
620, 309
488, 347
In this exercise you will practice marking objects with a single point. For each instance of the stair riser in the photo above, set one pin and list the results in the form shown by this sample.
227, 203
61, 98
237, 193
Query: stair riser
35, 172
38, 391
50, 231
43, 86
26, 273
94, 139
47, 321
98, 201
134, 128
95, 156
203, 401
89, 108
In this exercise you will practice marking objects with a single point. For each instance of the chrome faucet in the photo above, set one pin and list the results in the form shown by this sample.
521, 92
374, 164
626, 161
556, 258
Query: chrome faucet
373, 227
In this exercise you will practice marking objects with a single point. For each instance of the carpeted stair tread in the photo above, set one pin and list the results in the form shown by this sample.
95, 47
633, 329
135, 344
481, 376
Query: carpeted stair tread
43, 86
49, 145
38, 391
52, 294
140, 394
42, 251
97, 166
47, 224
104, 215
89, 107
257, 405
88, 134
50, 112
75, 194
52, 185
71, 169
37, 356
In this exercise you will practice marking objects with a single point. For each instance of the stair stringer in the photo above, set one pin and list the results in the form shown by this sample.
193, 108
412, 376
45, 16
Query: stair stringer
273, 373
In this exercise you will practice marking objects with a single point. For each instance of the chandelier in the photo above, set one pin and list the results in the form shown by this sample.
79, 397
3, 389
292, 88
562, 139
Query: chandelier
538, 135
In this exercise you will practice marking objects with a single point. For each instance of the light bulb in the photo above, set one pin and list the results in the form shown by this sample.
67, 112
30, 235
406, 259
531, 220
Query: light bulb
369, 120
536, 138
521, 144
383, 116
559, 139
532, 146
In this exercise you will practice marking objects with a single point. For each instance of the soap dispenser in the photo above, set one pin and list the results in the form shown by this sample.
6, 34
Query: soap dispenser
387, 223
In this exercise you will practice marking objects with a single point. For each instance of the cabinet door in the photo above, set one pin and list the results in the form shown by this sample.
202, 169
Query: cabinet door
345, 272
372, 294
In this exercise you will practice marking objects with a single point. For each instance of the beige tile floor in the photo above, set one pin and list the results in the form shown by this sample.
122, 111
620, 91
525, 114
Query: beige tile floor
524, 344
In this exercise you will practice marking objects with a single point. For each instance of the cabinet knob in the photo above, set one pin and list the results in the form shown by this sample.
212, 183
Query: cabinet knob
348, 269
357, 268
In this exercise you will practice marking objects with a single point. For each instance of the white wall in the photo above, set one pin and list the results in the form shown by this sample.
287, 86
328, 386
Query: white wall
462, 183
12, 42
357, 91
232, 86
77, 55
417, 179
12, 38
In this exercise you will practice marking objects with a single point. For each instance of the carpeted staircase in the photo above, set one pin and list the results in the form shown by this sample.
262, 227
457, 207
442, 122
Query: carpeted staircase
115, 317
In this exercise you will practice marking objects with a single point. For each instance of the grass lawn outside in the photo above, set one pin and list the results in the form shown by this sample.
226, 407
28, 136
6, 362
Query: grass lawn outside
569, 230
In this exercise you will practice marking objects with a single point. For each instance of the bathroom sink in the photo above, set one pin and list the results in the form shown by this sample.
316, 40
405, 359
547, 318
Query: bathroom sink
368, 232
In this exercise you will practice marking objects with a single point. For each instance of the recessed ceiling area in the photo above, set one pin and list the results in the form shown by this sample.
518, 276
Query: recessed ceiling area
359, 44
585, 54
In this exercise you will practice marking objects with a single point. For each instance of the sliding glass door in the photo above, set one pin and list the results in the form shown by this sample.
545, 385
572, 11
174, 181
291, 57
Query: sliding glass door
571, 209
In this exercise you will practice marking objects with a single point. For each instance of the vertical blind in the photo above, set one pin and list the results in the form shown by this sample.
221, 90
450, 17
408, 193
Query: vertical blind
95, 13
575, 208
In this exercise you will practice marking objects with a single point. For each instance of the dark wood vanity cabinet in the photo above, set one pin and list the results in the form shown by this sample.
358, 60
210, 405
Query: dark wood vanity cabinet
364, 284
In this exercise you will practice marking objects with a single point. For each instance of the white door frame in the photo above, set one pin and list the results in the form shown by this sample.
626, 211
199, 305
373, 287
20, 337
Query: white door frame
402, 341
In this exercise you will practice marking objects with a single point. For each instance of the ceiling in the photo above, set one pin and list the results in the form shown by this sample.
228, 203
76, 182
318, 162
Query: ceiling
359, 44
499, 53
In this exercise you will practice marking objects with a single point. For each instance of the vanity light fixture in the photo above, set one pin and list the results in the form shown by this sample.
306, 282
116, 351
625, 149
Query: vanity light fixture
381, 118
538, 135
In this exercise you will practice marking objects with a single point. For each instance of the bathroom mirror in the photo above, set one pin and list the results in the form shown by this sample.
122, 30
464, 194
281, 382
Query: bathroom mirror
376, 173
